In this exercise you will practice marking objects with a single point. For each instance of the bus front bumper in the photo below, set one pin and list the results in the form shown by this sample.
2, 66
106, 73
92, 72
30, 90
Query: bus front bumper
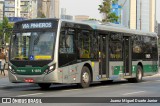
14, 78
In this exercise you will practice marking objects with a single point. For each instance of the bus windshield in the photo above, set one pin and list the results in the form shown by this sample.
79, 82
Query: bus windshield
32, 45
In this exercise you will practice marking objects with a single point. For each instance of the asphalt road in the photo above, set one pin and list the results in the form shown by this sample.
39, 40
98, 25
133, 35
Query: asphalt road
150, 87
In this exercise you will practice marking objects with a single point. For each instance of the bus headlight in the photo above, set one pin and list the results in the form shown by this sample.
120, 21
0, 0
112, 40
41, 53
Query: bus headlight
50, 69
11, 70
10, 67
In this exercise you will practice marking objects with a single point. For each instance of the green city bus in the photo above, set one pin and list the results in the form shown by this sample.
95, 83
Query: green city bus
51, 51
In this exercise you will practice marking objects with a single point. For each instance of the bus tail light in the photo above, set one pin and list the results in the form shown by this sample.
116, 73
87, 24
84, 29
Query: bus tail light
29, 80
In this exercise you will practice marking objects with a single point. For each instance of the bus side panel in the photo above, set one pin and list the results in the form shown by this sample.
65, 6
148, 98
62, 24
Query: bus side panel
72, 73
96, 76
12, 77
69, 73
54, 77
149, 67
116, 70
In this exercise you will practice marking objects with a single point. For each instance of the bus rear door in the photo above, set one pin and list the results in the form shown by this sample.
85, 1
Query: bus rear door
103, 57
127, 55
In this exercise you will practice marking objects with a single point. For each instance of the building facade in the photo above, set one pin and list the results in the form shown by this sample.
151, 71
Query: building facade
18, 8
26, 8
81, 17
64, 14
50, 8
1, 10
30, 8
67, 17
138, 14
12, 8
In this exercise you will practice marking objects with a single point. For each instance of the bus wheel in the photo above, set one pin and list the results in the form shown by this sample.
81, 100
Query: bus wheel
85, 77
139, 76
44, 86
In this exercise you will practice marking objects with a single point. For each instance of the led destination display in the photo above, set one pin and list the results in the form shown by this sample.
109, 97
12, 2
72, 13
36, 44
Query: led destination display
36, 25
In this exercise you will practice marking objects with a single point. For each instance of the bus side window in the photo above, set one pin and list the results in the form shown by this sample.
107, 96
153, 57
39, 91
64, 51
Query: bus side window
154, 49
66, 43
115, 47
84, 40
94, 47
142, 48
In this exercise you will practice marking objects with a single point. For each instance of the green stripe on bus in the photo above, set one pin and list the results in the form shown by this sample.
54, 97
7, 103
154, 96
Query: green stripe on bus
31, 70
150, 68
146, 69
117, 70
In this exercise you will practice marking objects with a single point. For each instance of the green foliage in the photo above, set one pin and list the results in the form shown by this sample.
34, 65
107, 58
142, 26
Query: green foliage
114, 1
41, 14
5, 29
112, 17
105, 8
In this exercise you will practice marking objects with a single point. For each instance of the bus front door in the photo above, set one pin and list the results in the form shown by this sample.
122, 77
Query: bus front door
127, 55
103, 57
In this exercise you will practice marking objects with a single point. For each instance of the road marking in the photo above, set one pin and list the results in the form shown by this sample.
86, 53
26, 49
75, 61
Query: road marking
71, 90
29, 94
133, 93
124, 84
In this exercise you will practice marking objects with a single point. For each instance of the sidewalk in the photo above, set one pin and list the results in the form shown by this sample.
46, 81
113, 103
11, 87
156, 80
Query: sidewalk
2, 75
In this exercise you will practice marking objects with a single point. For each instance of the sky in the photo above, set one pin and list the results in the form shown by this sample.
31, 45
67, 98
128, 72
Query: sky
82, 7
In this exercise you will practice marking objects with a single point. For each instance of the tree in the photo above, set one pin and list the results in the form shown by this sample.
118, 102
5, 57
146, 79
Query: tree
5, 29
41, 14
105, 8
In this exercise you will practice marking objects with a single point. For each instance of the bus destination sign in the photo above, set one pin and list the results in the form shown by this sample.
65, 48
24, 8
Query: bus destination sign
36, 25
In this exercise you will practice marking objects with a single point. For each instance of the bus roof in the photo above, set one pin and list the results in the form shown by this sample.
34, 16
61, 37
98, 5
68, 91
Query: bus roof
97, 25
112, 27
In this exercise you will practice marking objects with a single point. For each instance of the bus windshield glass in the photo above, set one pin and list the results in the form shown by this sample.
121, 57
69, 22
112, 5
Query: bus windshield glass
33, 45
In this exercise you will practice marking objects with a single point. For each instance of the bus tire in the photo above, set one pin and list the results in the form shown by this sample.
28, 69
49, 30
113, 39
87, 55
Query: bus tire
44, 86
139, 75
85, 77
